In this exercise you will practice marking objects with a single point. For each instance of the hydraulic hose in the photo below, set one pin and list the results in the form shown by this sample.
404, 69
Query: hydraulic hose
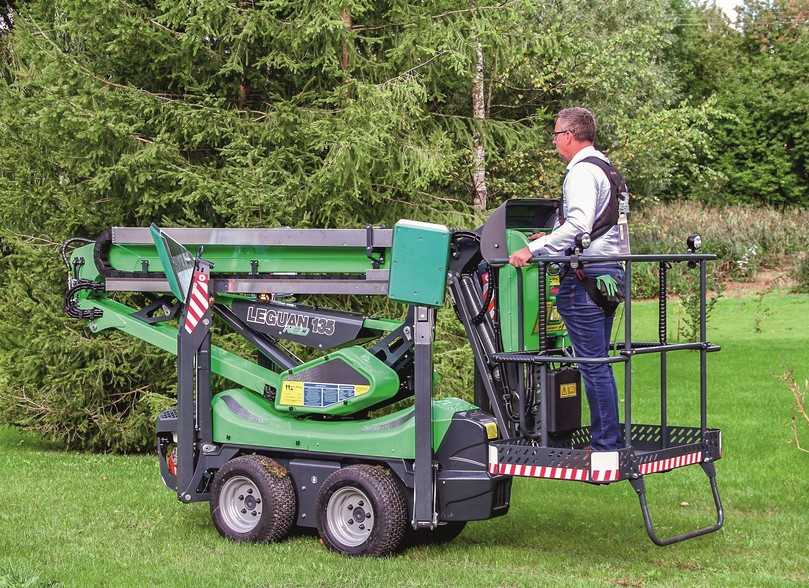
71, 304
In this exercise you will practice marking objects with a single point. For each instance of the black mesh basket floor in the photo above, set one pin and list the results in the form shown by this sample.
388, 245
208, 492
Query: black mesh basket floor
568, 456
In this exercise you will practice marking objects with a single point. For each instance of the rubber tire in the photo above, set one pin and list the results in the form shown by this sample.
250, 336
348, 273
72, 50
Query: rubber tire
387, 501
440, 535
276, 489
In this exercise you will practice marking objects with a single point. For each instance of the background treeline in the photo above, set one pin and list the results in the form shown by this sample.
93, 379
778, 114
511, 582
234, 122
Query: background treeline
343, 113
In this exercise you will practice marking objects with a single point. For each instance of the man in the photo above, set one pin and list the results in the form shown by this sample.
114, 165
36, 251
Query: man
585, 200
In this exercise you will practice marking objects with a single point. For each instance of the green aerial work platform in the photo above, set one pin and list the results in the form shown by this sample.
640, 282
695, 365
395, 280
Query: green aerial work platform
350, 440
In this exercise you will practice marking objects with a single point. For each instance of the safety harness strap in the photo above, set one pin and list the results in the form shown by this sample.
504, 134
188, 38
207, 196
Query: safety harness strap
608, 218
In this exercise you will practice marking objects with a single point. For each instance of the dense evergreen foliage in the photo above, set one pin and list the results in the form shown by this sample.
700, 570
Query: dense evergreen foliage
764, 147
277, 112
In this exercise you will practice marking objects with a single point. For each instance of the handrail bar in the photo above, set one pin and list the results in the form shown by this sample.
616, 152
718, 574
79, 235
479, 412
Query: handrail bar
638, 348
632, 257
517, 357
641, 349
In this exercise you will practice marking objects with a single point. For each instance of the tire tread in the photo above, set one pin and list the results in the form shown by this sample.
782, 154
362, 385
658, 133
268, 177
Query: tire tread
277, 490
391, 521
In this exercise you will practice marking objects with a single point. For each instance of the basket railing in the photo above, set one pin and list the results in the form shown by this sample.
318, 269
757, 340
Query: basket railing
628, 348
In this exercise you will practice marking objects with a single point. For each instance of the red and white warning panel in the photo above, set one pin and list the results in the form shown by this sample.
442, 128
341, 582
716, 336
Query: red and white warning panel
198, 301
603, 468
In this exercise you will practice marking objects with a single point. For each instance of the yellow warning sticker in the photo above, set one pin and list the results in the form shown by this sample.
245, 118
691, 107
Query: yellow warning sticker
319, 394
292, 394
567, 390
491, 429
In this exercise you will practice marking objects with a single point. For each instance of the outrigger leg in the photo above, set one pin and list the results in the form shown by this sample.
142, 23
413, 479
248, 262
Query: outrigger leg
640, 488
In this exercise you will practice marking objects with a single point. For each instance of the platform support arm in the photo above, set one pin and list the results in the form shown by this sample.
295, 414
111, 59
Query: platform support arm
639, 486
423, 491
193, 393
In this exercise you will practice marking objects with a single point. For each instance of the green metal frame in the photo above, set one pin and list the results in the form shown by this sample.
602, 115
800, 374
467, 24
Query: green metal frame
518, 303
389, 436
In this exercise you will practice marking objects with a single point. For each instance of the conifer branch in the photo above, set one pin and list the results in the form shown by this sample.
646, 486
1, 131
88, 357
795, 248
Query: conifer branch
30, 238
430, 195
439, 16
407, 73
165, 97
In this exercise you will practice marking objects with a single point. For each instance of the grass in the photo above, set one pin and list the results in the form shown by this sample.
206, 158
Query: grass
78, 519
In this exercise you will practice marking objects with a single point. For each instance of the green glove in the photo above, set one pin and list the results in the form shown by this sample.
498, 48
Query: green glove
607, 285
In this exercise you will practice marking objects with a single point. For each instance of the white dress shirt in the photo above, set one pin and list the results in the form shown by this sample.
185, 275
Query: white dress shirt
585, 196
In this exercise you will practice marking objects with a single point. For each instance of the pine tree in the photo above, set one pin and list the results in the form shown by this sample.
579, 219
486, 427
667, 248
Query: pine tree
274, 113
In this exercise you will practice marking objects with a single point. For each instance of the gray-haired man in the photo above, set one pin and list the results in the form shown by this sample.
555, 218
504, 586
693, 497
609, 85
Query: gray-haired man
586, 202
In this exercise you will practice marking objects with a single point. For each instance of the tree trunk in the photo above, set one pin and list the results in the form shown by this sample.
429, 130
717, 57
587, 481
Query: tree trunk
478, 152
345, 15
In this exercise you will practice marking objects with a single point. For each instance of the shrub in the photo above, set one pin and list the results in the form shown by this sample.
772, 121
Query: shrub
744, 238
801, 275
800, 415
98, 392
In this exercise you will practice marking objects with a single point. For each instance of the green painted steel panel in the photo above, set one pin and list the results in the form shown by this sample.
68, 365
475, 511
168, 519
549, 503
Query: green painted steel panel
347, 380
230, 259
386, 325
507, 303
418, 273
230, 366
245, 418
180, 262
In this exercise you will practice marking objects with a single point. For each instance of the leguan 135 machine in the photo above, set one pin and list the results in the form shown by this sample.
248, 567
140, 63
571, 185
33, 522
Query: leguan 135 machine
317, 443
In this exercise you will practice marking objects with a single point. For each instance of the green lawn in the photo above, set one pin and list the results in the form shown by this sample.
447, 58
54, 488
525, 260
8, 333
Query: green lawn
100, 520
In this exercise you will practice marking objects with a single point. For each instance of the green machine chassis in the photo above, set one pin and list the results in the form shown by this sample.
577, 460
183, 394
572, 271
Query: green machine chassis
306, 435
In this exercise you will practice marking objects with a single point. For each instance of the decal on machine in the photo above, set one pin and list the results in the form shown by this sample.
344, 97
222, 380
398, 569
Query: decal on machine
318, 394
290, 322
311, 326
568, 390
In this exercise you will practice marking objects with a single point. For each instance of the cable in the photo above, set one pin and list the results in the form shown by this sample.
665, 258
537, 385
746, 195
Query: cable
63, 249
71, 303
615, 325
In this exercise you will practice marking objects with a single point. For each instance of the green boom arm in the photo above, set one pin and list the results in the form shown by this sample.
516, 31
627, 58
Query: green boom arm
224, 363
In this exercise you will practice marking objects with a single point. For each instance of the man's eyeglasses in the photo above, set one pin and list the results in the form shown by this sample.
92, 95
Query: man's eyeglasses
554, 133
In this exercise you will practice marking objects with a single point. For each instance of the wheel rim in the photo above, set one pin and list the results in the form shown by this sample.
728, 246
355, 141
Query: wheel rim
240, 504
350, 516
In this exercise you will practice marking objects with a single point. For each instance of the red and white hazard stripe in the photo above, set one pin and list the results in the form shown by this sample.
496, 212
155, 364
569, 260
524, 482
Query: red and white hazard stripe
605, 475
603, 468
664, 465
554, 473
510, 469
198, 301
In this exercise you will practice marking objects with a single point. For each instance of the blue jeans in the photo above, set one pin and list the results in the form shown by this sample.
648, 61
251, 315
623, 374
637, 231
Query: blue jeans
589, 329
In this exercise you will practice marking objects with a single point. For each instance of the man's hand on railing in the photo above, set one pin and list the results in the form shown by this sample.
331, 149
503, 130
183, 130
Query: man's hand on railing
536, 236
521, 258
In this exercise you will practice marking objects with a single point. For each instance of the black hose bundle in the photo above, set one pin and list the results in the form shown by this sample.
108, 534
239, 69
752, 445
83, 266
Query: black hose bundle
71, 305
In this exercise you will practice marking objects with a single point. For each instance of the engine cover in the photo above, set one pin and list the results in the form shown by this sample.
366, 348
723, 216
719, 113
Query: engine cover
339, 383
